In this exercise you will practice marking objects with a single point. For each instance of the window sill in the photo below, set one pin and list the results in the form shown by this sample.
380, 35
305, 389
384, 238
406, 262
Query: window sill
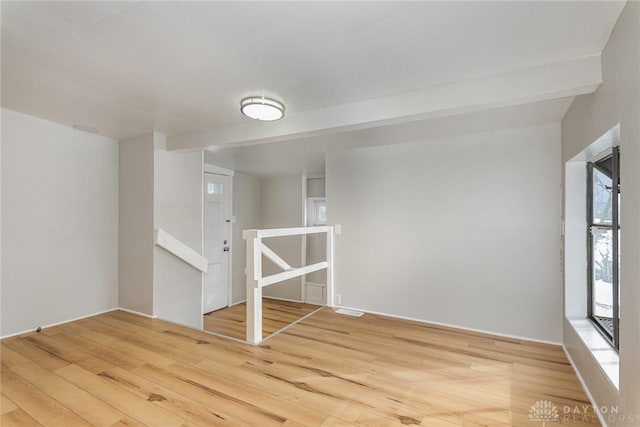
600, 349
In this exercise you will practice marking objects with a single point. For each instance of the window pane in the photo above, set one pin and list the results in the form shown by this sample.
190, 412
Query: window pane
602, 198
602, 273
604, 258
319, 212
322, 213
214, 188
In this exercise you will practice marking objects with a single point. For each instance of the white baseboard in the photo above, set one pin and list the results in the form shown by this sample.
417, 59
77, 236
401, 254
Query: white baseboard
51, 325
586, 389
283, 299
448, 325
136, 312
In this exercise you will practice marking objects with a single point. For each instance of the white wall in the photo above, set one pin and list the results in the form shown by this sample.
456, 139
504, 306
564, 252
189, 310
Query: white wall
136, 224
281, 205
590, 116
178, 198
0, 230
159, 189
59, 222
575, 225
246, 209
316, 187
461, 231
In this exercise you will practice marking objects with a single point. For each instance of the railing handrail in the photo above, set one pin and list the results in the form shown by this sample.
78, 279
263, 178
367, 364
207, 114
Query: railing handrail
174, 246
278, 232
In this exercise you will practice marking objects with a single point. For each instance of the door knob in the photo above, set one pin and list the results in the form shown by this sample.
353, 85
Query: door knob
226, 249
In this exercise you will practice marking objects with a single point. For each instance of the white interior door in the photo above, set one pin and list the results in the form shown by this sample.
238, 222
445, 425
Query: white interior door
217, 221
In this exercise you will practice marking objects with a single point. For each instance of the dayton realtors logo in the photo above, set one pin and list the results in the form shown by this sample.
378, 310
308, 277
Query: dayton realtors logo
543, 411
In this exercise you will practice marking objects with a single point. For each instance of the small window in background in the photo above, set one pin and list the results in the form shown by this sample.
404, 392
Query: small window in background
316, 211
214, 188
321, 212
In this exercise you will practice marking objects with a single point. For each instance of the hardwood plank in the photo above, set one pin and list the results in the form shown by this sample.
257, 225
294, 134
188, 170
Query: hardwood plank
249, 395
18, 418
132, 350
37, 404
6, 404
170, 400
29, 349
436, 422
357, 393
206, 395
121, 399
52, 346
82, 403
326, 370
335, 422
151, 324
128, 422
108, 355
11, 357
158, 342
253, 375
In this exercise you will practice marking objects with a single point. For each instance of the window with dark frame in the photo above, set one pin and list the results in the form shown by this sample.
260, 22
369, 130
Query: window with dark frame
603, 245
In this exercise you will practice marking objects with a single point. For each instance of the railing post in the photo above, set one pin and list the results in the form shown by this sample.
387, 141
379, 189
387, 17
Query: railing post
254, 292
330, 297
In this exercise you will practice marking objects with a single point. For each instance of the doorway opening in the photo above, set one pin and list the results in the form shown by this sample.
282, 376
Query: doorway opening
260, 202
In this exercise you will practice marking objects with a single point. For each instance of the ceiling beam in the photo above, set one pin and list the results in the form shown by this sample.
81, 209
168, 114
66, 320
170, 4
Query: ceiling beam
540, 83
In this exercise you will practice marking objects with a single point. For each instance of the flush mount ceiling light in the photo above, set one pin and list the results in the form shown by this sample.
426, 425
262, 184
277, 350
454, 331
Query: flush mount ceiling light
261, 108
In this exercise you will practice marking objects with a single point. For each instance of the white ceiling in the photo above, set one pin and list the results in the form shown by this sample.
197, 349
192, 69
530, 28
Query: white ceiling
127, 68
307, 156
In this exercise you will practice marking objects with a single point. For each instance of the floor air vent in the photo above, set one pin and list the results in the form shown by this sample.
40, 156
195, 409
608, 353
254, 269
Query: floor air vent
349, 312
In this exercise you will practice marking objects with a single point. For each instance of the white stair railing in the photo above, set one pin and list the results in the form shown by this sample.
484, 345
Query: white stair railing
172, 245
255, 281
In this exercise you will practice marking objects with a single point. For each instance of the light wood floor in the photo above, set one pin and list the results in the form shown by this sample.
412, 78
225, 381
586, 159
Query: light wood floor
276, 314
119, 369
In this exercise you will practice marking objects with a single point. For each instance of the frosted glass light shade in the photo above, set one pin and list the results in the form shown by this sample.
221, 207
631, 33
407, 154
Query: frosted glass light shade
261, 108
